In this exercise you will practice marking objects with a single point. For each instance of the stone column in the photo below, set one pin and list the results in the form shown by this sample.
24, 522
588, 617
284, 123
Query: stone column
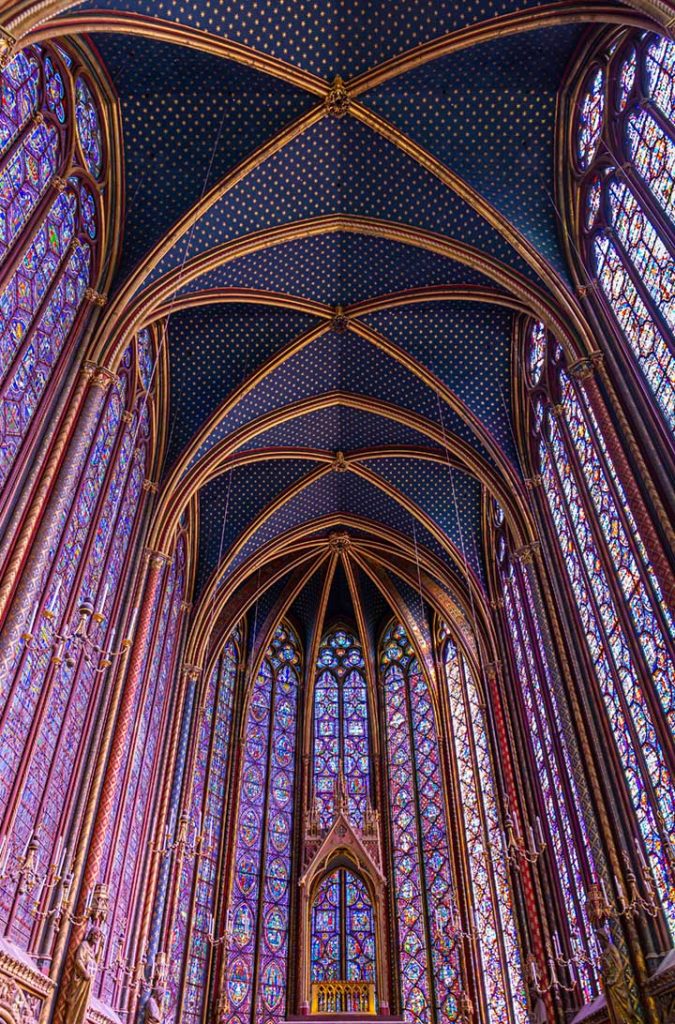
41, 532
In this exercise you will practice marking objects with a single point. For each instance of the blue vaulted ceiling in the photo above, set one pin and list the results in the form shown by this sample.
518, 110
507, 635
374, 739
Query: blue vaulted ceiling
484, 112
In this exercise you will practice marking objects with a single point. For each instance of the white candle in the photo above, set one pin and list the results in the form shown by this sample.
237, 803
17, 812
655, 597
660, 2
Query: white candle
132, 624
619, 887
556, 945
57, 851
604, 889
57, 591
32, 620
530, 836
533, 967
90, 896
62, 865
638, 847
540, 833
104, 597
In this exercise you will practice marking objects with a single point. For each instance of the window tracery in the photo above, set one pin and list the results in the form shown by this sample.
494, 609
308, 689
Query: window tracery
625, 150
623, 617
50, 226
341, 733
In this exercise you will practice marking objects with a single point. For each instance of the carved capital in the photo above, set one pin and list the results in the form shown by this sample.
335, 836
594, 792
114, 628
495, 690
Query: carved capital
340, 321
526, 553
98, 376
7, 44
492, 670
532, 482
497, 603
337, 98
96, 298
58, 183
586, 367
38, 118
192, 672
127, 416
156, 558
558, 409
186, 606
149, 486
584, 289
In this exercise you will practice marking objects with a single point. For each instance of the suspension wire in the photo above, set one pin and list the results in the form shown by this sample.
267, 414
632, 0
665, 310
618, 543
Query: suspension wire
474, 614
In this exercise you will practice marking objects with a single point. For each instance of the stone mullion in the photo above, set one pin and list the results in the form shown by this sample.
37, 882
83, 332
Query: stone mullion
463, 894
189, 929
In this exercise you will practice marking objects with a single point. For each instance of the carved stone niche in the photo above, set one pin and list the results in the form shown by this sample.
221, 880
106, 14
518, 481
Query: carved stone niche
661, 987
23, 988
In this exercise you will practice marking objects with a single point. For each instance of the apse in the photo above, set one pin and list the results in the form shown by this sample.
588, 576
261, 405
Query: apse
337, 389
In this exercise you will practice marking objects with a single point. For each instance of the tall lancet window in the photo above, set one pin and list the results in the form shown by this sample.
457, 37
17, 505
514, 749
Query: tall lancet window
256, 951
52, 176
50, 689
544, 729
423, 875
341, 727
625, 165
622, 614
205, 811
343, 929
493, 920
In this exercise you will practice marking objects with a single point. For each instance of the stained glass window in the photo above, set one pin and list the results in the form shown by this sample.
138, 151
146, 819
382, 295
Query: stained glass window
341, 726
48, 704
125, 855
494, 924
258, 914
195, 905
343, 929
626, 159
564, 818
623, 616
55, 236
423, 875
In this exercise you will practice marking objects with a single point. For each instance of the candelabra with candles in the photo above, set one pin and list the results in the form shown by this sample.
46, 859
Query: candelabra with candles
448, 930
517, 849
226, 937
630, 902
560, 973
191, 838
80, 639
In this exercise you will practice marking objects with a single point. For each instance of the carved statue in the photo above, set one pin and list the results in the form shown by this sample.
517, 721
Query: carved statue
622, 1001
84, 971
153, 1008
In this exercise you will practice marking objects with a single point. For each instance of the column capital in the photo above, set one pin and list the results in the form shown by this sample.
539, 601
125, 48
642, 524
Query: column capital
186, 606
192, 672
156, 558
492, 670
584, 368
526, 553
96, 298
59, 184
98, 376
532, 482
151, 486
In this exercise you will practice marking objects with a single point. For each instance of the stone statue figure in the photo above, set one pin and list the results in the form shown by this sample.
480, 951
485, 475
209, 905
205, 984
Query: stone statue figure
84, 971
153, 1008
537, 1006
617, 981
